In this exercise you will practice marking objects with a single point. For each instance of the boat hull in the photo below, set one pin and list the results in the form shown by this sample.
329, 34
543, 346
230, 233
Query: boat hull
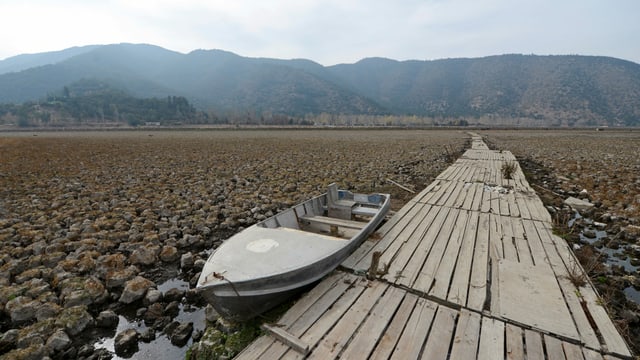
240, 298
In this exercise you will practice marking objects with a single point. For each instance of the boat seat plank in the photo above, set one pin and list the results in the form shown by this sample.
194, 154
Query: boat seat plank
350, 224
364, 210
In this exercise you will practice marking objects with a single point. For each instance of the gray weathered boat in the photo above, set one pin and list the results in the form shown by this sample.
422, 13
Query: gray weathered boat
263, 265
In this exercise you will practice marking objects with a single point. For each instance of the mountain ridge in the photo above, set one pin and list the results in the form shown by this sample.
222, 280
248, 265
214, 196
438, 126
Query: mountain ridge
572, 90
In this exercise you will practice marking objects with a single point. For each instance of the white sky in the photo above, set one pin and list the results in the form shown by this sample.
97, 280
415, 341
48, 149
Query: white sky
330, 31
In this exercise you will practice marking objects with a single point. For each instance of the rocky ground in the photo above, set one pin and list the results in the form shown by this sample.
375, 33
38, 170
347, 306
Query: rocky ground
602, 168
92, 222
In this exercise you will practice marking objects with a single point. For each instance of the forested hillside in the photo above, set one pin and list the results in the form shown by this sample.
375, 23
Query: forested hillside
568, 90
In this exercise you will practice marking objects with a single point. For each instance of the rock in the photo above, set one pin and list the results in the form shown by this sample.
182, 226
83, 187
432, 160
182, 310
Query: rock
589, 233
199, 264
47, 311
58, 341
75, 320
117, 278
85, 350
181, 334
135, 289
126, 342
152, 297
148, 335
172, 309
211, 314
173, 294
578, 205
169, 253
145, 255
21, 309
289, 188
33, 352
8, 340
154, 312
107, 319
186, 261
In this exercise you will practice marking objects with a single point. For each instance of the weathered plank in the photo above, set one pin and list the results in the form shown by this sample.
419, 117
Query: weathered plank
514, 343
533, 341
438, 341
491, 339
373, 328
392, 334
531, 295
465, 341
478, 283
554, 348
333, 342
462, 274
410, 343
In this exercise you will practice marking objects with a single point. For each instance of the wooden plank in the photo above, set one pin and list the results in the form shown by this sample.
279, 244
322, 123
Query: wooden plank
303, 321
496, 245
420, 240
390, 338
447, 262
533, 341
398, 254
462, 273
615, 343
471, 194
554, 348
572, 351
591, 355
361, 258
438, 341
313, 335
422, 265
465, 341
515, 345
491, 339
287, 338
479, 267
530, 295
373, 328
410, 343
331, 287
333, 343
553, 258
508, 239
478, 196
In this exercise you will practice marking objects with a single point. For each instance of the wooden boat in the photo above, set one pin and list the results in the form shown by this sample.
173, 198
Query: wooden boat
263, 265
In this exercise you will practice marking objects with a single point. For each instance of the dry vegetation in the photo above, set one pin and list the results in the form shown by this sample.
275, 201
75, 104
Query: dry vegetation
82, 214
604, 163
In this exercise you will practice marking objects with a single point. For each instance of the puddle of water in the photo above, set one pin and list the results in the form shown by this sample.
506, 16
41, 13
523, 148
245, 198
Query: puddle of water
614, 256
632, 294
161, 347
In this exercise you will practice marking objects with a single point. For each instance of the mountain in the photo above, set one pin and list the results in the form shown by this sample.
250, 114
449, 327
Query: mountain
526, 89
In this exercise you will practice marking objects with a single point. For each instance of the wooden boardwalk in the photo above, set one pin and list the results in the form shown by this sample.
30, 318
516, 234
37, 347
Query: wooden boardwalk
468, 269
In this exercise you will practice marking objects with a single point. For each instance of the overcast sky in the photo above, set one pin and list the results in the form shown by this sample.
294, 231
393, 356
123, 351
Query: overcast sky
330, 31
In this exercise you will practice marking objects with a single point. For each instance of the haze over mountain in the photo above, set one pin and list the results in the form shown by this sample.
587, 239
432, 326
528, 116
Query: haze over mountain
503, 89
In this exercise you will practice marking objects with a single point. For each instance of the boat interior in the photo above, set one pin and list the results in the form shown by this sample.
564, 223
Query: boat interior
339, 214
